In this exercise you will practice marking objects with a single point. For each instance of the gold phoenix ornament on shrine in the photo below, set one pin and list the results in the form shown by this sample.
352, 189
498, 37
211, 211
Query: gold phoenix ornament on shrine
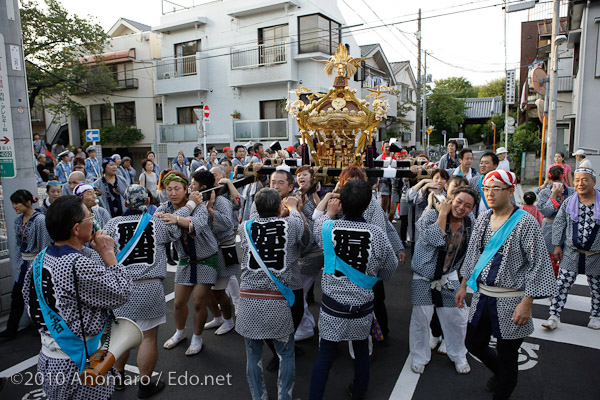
337, 126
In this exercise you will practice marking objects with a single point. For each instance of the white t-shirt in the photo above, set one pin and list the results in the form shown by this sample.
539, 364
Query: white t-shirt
504, 164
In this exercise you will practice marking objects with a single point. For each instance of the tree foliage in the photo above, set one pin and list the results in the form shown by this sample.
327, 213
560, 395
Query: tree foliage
527, 138
121, 135
54, 43
493, 88
458, 87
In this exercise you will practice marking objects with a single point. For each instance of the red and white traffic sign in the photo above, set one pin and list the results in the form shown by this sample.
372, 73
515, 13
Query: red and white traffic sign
206, 111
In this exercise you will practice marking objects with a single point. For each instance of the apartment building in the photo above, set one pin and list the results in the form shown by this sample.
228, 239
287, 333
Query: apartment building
406, 87
243, 59
129, 57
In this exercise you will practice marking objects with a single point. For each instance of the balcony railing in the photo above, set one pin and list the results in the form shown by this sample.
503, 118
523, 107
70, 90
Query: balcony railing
172, 67
258, 56
177, 133
129, 83
260, 129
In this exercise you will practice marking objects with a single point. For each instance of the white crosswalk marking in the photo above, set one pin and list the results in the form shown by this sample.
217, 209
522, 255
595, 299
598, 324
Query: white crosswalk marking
22, 366
574, 302
565, 333
406, 383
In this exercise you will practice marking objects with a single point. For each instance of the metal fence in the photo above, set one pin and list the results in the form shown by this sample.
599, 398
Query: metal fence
178, 133
260, 129
172, 67
260, 55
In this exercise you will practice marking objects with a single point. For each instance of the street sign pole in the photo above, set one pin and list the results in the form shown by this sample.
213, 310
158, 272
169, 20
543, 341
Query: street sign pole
204, 138
15, 113
205, 116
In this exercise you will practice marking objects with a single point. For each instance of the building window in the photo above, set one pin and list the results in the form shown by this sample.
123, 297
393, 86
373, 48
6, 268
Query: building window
123, 71
159, 114
125, 114
317, 33
272, 109
271, 44
187, 48
186, 115
186, 57
100, 116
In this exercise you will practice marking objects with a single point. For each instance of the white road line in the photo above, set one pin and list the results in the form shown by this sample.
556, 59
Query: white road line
567, 333
406, 383
135, 370
171, 268
581, 280
574, 302
169, 297
20, 367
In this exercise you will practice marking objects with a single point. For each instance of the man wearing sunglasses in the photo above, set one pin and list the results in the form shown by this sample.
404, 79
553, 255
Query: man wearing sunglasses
507, 266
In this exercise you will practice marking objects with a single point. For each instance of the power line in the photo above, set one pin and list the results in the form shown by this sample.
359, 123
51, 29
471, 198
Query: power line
348, 32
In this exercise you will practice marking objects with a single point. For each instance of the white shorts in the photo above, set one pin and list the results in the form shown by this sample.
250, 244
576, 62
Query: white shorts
221, 283
147, 324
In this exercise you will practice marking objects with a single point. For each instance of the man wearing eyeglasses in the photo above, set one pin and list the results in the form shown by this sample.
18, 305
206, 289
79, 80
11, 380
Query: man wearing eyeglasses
507, 266
488, 162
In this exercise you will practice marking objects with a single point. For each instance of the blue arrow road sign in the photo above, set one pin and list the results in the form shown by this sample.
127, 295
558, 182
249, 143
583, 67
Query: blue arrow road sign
92, 135
444, 133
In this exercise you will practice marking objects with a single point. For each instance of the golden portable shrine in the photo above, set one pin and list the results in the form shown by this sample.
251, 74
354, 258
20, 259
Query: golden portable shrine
337, 126
336, 130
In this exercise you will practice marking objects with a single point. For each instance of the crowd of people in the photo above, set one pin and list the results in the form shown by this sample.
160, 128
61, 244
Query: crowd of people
99, 244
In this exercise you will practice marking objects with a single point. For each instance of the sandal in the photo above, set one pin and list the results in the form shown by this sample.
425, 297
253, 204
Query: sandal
173, 341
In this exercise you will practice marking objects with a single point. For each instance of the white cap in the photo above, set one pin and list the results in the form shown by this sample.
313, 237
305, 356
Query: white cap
501, 150
579, 152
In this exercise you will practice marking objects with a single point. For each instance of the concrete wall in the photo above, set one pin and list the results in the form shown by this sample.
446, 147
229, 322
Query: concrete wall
588, 101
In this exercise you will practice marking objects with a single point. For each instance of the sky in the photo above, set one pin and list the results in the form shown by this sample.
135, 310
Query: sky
467, 42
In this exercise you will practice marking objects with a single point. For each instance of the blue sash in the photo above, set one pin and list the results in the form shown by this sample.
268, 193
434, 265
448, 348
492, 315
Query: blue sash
285, 291
134, 239
480, 184
494, 244
69, 343
334, 263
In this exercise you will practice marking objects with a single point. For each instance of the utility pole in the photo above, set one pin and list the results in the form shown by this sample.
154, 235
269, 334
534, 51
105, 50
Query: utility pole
418, 122
424, 123
551, 135
15, 118
506, 81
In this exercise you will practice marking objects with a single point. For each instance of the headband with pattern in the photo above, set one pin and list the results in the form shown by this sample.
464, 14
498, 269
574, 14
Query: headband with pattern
587, 171
501, 176
174, 178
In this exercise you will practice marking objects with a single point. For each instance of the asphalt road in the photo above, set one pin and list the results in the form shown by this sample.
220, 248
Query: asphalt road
562, 364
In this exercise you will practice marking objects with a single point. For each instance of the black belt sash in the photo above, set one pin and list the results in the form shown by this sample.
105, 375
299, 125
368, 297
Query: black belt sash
335, 309
587, 246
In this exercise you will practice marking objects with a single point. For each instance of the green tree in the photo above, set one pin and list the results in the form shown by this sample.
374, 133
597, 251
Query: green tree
456, 86
493, 88
54, 44
527, 138
445, 112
